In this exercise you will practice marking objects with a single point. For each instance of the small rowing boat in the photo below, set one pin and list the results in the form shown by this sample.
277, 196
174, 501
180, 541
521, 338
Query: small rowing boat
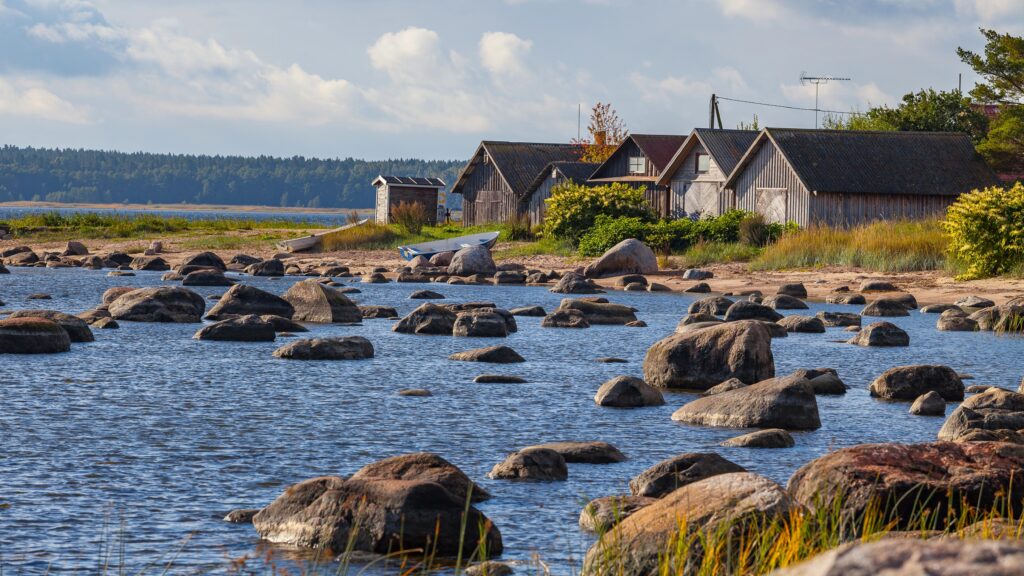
313, 240
428, 249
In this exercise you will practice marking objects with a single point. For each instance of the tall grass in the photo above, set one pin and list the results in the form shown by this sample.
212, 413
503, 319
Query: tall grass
368, 236
411, 217
704, 253
905, 246
54, 225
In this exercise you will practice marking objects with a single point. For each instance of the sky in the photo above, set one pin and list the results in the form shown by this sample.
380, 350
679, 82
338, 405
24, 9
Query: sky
381, 79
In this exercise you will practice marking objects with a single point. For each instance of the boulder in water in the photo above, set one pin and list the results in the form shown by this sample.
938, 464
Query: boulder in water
77, 329
673, 473
787, 402
881, 334
630, 256
472, 260
242, 299
535, 464
427, 319
910, 382
159, 305
314, 302
32, 336
491, 354
703, 358
337, 348
427, 467
628, 392
249, 328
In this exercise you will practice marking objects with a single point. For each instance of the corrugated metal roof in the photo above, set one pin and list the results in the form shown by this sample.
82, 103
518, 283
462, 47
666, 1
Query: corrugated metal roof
411, 181
659, 148
848, 161
519, 162
576, 171
726, 146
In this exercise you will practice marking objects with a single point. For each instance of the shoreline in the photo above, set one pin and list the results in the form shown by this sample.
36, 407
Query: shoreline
182, 207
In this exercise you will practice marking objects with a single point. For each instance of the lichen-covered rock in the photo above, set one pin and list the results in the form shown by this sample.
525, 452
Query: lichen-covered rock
337, 348
910, 382
427, 467
427, 319
673, 473
325, 512
314, 302
602, 514
913, 556
786, 402
628, 392
159, 305
995, 413
32, 336
881, 334
702, 358
901, 481
630, 256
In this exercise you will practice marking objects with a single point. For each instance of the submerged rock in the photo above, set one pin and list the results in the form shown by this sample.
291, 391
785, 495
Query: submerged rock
628, 392
492, 354
536, 464
337, 348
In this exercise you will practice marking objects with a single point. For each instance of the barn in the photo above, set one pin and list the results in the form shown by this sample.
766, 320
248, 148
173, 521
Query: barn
552, 175
695, 177
393, 190
845, 177
494, 183
639, 161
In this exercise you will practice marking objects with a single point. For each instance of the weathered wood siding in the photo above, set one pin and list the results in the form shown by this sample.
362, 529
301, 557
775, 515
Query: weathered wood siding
391, 195
767, 170
618, 165
851, 209
692, 192
538, 206
486, 197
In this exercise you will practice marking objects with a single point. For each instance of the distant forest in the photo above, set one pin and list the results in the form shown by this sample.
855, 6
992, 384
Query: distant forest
94, 176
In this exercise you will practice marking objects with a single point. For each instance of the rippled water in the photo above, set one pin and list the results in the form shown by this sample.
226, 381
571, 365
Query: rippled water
148, 427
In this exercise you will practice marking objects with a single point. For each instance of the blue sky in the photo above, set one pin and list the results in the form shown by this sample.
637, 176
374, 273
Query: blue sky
430, 78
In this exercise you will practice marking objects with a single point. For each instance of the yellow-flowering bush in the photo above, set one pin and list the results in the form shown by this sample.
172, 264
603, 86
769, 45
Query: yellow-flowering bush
574, 208
986, 231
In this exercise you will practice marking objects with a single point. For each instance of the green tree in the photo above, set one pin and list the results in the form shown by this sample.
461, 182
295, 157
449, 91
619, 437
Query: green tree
923, 111
1001, 65
1003, 148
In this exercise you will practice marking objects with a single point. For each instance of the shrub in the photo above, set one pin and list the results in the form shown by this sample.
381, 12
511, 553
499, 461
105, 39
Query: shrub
367, 236
986, 231
411, 217
517, 227
667, 235
573, 208
608, 232
754, 231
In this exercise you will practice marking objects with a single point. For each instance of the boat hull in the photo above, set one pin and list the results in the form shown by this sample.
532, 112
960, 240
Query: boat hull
428, 249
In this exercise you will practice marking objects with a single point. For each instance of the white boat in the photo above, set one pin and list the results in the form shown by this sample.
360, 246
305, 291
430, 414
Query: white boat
314, 240
428, 249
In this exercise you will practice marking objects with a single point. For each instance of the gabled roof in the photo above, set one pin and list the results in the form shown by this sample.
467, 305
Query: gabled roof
658, 148
410, 181
725, 147
518, 163
849, 161
575, 171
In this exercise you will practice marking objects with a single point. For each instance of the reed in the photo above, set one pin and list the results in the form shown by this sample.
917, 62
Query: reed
704, 253
368, 236
77, 225
904, 246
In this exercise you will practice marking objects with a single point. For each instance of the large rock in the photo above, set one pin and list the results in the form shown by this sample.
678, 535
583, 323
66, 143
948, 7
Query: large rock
803, 324
374, 311
630, 256
881, 334
428, 467
537, 464
784, 302
850, 299
73, 248
338, 348
824, 381
644, 543
956, 320
27, 258
915, 557
602, 514
32, 336
901, 483
770, 438
712, 305
1007, 318
249, 328
377, 516
482, 322
159, 305
747, 310
909, 382
565, 319
242, 299
491, 354
271, 267
573, 283
472, 260
993, 414
535, 311
111, 294
206, 277
703, 358
786, 403
628, 392
586, 452
597, 312
153, 263
77, 329
929, 404
427, 319
673, 473
206, 260
797, 290
314, 302
839, 319
885, 308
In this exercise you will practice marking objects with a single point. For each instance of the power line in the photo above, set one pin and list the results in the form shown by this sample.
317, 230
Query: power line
788, 107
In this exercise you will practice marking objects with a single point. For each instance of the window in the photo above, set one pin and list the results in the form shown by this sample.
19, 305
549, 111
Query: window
637, 164
703, 163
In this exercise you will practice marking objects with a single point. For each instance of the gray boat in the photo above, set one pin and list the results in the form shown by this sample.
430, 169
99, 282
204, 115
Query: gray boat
428, 249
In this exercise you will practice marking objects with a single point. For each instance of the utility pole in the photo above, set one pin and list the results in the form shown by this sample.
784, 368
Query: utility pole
818, 81
714, 113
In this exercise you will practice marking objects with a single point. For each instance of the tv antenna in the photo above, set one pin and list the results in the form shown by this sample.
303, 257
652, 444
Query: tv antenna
818, 81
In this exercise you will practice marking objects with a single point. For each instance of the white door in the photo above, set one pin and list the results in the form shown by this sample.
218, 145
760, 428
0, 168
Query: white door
771, 203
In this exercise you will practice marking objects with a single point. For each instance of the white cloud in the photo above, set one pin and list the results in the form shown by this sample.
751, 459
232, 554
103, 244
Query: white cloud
990, 10
503, 54
412, 55
22, 98
840, 96
751, 9
670, 89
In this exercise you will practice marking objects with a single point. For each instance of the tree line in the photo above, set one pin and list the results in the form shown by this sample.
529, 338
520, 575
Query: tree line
95, 176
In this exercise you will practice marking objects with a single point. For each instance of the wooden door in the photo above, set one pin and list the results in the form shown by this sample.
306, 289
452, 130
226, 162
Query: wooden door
771, 203
702, 198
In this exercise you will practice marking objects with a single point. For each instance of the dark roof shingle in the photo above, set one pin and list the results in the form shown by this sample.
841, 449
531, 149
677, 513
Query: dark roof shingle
520, 162
942, 163
412, 181
726, 146
659, 148
576, 171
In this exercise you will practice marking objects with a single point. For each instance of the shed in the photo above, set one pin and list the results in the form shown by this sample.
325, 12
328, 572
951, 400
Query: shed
639, 162
393, 190
552, 175
495, 181
846, 177
695, 177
